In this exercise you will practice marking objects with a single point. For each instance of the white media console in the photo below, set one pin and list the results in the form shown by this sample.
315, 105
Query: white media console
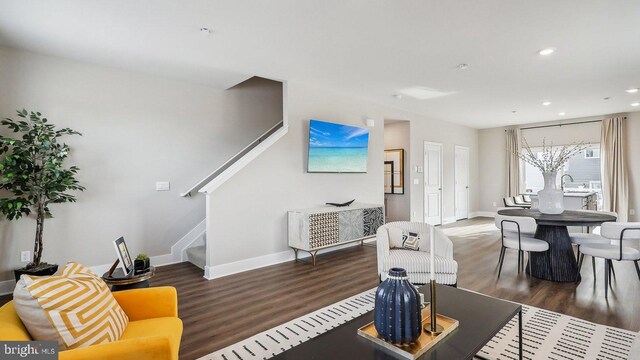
314, 229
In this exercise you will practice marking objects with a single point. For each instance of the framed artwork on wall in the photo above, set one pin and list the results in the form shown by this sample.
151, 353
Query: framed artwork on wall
396, 158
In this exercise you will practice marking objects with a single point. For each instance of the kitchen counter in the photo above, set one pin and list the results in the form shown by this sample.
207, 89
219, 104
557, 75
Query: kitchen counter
587, 200
572, 194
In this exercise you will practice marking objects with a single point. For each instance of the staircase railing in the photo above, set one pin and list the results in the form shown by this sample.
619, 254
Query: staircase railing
233, 159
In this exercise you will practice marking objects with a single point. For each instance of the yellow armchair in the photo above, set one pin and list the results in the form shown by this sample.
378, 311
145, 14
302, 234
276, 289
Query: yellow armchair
153, 333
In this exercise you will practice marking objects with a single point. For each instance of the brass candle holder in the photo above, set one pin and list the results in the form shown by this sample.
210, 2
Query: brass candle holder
433, 328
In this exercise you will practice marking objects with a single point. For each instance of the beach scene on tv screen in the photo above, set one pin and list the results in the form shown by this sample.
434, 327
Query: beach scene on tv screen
337, 148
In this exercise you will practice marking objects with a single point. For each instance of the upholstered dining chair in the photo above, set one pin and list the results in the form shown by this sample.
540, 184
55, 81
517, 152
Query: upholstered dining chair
391, 253
590, 238
520, 201
618, 234
517, 233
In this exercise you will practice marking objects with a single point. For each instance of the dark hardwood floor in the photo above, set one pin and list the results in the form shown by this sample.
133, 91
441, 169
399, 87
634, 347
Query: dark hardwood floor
220, 312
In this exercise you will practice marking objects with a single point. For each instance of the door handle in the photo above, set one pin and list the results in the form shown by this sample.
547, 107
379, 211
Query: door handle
439, 189
466, 187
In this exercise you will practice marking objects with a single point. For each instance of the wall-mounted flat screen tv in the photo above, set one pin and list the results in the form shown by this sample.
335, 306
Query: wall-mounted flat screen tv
337, 148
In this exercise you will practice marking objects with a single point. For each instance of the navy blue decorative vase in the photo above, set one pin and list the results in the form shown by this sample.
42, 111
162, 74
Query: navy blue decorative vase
398, 317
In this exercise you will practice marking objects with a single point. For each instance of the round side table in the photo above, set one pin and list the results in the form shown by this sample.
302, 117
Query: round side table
118, 281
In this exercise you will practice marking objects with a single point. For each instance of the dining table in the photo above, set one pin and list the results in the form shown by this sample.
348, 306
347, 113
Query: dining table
552, 228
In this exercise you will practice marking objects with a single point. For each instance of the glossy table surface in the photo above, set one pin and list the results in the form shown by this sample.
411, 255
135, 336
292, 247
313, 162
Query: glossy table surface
480, 318
567, 218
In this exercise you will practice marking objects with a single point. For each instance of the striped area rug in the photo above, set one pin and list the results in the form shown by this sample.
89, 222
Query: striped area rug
547, 335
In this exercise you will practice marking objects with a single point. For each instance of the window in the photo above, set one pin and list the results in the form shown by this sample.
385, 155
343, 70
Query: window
593, 153
584, 168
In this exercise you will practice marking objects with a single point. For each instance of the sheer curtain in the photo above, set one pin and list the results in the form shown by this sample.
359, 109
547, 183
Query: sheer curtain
513, 162
615, 191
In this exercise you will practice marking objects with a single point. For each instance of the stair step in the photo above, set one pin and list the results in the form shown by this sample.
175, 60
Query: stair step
197, 256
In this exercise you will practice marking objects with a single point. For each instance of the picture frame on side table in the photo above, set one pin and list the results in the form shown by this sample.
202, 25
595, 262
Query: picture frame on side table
126, 264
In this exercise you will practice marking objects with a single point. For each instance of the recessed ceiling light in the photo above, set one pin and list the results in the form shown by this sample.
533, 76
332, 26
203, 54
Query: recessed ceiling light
462, 66
635, 104
513, 111
547, 51
397, 96
546, 103
607, 98
632, 91
562, 113
205, 30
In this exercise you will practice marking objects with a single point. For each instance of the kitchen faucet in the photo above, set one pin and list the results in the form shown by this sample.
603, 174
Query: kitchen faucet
562, 180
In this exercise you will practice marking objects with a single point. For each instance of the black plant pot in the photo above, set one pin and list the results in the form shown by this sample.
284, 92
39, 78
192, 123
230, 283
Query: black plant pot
141, 266
45, 270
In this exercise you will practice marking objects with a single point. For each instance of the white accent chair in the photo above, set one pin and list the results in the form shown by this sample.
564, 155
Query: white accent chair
617, 233
417, 263
517, 233
590, 238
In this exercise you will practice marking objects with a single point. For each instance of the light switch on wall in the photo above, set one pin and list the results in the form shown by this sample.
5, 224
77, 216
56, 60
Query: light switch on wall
416, 181
632, 211
163, 186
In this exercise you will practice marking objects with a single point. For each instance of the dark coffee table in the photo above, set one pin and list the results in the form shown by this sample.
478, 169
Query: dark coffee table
480, 317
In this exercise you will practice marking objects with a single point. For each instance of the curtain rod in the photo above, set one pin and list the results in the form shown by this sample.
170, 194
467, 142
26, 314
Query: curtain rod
559, 125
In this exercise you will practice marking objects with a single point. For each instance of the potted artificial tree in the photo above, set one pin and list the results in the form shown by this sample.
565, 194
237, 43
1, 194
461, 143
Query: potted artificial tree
32, 177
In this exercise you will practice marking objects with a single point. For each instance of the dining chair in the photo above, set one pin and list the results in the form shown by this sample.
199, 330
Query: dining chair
520, 201
517, 233
590, 238
617, 233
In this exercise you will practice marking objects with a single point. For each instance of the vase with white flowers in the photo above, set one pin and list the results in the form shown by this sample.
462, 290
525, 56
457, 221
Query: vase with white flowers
550, 160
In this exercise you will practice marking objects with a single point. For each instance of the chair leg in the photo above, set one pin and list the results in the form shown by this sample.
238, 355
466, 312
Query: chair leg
637, 269
613, 271
549, 260
530, 273
519, 253
501, 260
500, 255
606, 279
580, 259
593, 265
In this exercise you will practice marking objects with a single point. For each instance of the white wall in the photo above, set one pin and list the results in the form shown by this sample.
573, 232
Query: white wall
492, 161
249, 211
397, 136
138, 129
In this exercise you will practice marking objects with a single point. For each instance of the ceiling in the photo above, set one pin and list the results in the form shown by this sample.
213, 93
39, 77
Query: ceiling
370, 49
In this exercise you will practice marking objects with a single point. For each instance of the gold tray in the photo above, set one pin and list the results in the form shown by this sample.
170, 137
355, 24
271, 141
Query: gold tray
424, 342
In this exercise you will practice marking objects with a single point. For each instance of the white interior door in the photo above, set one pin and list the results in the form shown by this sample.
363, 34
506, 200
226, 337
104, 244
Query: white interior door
462, 182
432, 183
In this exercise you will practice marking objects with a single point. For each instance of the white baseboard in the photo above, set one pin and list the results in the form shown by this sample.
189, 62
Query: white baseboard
6, 287
218, 271
176, 256
448, 220
482, 213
